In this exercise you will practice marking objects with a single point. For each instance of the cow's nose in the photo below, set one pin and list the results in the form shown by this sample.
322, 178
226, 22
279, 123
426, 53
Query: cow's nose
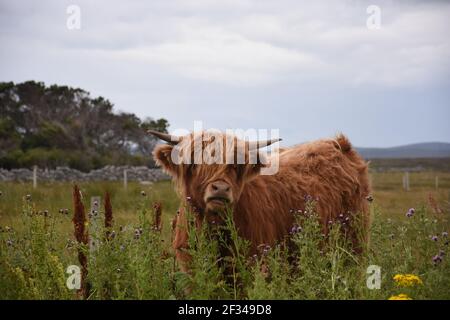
220, 187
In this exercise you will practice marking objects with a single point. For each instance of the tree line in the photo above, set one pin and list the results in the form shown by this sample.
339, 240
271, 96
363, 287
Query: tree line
52, 126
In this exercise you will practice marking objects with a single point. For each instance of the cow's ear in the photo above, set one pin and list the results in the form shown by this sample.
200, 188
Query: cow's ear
162, 154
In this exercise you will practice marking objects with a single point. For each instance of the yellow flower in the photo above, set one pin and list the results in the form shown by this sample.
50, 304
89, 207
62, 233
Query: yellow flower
407, 280
401, 296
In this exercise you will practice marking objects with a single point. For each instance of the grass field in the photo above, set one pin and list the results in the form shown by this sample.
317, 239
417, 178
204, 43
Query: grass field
36, 250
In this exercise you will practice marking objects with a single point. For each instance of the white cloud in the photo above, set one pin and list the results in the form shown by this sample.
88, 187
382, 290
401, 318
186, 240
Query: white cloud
292, 64
213, 54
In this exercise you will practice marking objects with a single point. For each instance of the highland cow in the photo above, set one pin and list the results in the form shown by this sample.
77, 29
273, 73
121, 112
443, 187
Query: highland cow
328, 170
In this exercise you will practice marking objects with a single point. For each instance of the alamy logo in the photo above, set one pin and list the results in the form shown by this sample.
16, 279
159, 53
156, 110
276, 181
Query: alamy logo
374, 20
374, 277
74, 19
74, 280
235, 146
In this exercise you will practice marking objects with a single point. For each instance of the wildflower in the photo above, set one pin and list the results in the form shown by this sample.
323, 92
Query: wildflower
45, 213
188, 199
112, 235
137, 233
441, 253
9, 243
122, 247
295, 229
28, 197
391, 236
401, 296
7, 229
265, 249
437, 259
407, 280
61, 211
108, 211
445, 234
66, 211
410, 212
157, 223
434, 238
308, 198
143, 193
369, 198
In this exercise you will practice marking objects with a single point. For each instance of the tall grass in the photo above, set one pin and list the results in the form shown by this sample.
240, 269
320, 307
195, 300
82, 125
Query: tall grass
134, 260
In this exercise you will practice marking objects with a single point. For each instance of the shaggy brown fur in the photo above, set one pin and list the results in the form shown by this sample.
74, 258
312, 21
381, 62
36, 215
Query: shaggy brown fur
327, 170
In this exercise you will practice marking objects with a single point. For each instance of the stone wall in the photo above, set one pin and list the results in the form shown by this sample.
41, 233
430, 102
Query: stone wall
108, 173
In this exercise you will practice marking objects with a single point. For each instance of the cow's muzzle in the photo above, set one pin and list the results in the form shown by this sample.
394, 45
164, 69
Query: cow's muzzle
218, 195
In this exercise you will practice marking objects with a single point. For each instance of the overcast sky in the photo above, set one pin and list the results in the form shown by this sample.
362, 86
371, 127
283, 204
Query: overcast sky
308, 68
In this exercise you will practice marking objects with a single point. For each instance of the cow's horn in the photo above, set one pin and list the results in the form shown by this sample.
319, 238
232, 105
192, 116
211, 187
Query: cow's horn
164, 136
261, 144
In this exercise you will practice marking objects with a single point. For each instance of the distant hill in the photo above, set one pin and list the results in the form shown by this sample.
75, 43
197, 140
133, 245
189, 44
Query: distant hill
418, 150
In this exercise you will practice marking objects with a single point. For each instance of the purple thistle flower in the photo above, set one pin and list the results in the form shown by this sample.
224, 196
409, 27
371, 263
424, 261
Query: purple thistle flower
295, 229
445, 234
437, 259
434, 238
441, 253
410, 212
